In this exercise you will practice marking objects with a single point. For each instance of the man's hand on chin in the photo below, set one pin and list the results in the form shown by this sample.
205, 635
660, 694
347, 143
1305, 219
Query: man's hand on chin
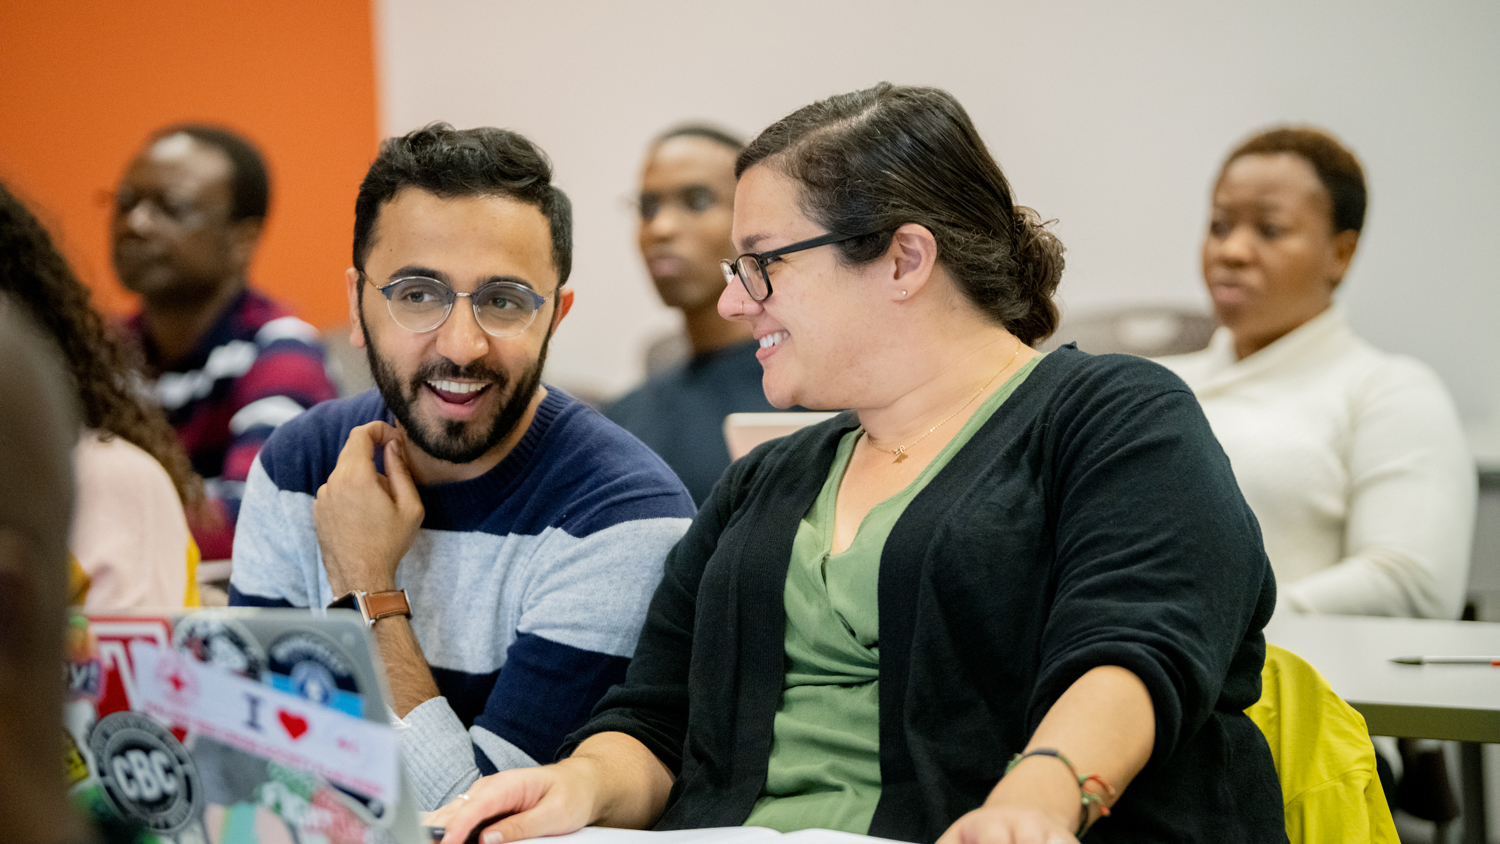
366, 521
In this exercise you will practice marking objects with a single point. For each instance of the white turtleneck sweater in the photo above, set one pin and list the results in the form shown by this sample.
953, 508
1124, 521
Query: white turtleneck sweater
1354, 462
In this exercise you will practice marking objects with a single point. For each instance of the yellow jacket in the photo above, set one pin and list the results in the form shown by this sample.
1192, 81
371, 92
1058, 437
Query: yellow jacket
1323, 756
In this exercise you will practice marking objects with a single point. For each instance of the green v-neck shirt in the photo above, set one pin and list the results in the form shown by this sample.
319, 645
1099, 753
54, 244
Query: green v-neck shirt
825, 757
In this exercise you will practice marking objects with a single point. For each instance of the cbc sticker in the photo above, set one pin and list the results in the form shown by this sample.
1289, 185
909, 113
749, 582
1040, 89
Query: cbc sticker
146, 772
314, 667
222, 643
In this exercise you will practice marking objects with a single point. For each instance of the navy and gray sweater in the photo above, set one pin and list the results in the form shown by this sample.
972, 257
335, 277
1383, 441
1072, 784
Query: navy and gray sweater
528, 584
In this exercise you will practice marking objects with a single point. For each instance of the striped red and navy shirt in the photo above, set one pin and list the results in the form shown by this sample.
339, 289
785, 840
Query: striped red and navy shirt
257, 367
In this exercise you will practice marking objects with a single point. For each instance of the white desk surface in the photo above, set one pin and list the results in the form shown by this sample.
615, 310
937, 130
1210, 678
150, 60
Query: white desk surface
1452, 702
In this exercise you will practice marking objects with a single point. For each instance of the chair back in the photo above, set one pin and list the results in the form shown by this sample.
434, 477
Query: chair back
1145, 330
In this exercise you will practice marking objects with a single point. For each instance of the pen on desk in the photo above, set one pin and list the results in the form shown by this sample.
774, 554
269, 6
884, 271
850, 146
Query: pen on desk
1447, 660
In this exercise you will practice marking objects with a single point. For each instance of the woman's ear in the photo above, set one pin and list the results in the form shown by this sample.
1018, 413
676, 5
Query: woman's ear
1344, 244
913, 253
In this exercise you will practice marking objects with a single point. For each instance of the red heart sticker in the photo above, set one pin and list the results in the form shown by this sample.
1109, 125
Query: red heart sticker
294, 724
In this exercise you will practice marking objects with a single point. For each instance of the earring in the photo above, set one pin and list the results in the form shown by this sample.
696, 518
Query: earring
903, 293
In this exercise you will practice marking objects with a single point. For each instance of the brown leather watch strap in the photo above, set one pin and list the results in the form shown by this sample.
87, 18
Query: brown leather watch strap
380, 605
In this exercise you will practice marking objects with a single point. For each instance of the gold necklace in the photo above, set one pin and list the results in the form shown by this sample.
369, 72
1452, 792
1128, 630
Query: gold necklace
900, 451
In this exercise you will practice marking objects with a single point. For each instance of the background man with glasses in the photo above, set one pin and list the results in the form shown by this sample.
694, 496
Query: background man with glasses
686, 208
225, 362
502, 539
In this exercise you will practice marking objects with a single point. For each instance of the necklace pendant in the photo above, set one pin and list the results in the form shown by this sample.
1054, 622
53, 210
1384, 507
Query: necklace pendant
900, 455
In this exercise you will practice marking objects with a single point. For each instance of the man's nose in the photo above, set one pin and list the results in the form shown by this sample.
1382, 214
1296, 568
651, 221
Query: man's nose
665, 223
459, 338
138, 218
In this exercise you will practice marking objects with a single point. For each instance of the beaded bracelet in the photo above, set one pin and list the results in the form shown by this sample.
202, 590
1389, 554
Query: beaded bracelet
1041, 751
1087, 799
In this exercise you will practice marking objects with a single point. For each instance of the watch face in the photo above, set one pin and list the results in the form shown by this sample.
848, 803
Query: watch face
345, 601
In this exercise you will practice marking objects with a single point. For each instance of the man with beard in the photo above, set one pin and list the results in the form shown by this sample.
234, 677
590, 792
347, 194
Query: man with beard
501, 538
226, 363
686, 206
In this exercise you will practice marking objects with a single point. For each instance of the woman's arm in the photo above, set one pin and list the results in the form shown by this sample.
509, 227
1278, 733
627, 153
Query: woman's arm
1104, 725
1162, 589
1410, 521
622, 767
610, 780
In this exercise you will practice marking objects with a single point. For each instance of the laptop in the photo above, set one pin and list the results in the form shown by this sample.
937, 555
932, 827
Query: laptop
235, 726
744, 431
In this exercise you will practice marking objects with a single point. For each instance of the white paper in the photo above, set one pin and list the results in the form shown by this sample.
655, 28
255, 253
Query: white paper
718, 835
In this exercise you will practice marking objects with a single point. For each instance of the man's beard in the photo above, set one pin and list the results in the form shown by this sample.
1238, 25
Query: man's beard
455, 441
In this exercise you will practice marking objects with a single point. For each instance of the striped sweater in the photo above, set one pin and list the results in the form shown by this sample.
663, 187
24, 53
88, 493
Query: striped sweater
256, 367
528, 584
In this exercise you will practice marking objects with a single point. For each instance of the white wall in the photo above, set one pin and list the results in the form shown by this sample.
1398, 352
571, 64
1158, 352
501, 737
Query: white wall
1111, 117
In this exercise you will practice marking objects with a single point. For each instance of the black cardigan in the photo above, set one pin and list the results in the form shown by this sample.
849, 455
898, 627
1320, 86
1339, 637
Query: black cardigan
1093, 520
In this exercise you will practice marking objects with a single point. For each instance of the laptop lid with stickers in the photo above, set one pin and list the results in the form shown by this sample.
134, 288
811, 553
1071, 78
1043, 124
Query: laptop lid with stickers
235, 726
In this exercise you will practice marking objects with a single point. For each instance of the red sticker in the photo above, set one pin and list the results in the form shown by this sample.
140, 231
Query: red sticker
294, 724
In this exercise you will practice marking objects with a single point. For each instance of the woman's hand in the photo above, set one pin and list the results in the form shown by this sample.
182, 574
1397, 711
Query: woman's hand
522, 803
1008, 825
1037, 803
610, 780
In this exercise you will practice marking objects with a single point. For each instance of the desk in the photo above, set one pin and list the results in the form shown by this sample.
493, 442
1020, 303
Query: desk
1451, 702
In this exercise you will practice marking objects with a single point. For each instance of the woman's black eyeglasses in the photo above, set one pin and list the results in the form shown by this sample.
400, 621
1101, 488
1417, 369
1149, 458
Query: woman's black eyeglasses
750, 268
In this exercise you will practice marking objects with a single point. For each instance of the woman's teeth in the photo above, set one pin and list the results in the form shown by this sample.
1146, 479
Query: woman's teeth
773, 339
456, 387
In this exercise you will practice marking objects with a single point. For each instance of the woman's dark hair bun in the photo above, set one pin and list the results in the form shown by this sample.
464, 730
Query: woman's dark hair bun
1039, 269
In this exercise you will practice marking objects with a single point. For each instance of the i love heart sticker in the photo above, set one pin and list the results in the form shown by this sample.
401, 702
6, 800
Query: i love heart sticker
355, 754
294, 724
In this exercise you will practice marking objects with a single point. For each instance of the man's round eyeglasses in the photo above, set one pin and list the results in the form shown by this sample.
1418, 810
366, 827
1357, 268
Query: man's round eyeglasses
421, 304
750, 268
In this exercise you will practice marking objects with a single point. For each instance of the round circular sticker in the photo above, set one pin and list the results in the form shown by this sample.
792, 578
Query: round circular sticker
313, 666
147, 773
221, 642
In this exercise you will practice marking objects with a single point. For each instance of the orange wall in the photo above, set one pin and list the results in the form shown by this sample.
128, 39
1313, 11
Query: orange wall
82, 84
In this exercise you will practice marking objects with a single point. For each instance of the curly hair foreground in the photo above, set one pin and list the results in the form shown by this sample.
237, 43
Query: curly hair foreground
34, 276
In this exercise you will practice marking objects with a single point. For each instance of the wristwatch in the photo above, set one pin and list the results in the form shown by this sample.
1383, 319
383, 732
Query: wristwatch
374, 605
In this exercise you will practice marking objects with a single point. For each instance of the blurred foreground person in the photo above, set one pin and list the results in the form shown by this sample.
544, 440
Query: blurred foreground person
225, 362
1353, 459
37, 430
974, 607
130, 535
686, 209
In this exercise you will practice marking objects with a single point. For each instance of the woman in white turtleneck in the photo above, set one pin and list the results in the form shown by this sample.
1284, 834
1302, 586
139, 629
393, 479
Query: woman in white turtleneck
1352, 459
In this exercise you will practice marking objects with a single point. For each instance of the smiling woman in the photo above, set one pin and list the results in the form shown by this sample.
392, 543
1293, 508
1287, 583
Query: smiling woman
1353, 459
974, 606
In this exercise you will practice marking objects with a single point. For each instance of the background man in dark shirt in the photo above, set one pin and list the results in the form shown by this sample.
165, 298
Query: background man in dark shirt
225, 362
686, 208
